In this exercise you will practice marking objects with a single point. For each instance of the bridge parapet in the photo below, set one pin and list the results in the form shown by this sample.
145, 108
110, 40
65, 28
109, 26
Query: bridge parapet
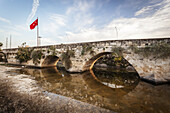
86, 54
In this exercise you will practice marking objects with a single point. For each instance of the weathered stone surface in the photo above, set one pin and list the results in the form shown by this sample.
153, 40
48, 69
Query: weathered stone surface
102, 65
145, 66
130, 68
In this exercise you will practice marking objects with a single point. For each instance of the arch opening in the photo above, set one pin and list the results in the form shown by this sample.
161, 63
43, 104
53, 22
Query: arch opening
52, 61
109, 60
111, 76
3, 57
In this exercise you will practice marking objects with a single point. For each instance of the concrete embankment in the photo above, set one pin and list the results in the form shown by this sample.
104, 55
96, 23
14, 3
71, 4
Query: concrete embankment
20, 93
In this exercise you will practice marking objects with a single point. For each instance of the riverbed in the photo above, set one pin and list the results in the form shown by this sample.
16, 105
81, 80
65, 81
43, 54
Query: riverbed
55, 90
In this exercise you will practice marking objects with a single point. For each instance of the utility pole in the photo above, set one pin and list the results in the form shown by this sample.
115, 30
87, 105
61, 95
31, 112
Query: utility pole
116, 31
39, 41
10, 41
6, 42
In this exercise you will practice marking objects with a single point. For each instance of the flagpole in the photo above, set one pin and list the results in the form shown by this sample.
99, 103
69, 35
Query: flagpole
37, 33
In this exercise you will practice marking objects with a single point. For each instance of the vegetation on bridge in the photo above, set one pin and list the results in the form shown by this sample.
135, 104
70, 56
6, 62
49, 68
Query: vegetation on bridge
87, 49
117, 51
65, 57
159, 50
24, 53
118, 59
52, 50
1, 59
36, 56
1, 44
114, 62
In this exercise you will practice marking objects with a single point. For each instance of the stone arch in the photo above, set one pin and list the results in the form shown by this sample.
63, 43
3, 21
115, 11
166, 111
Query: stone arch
90, 63
5, 57
50, 61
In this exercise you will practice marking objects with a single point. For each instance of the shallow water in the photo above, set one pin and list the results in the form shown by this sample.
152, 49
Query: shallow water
114, 90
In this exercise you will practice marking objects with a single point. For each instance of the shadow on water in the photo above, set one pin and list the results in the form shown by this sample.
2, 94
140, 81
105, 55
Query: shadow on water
100, 88
110, 84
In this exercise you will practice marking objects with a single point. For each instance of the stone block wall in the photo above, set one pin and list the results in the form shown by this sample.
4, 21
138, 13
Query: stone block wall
148, 68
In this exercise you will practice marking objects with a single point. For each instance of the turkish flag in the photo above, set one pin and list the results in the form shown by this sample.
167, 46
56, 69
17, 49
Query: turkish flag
34, 24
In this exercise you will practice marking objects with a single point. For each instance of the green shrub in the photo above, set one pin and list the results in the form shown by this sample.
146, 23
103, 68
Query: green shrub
52, 49
134, 48
1, 44
118, 51
24, 53
36, 56
65, 57
87, 49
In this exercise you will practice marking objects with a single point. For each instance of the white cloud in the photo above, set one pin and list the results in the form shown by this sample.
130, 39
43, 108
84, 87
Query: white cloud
155, 25
5, 20
34, 10
77, 17
58, 19
143, 11
19, 28
151, 8
43, 41
54, 22
80, 6
82, 21
90, 34
9, 32
80, 14
19, 34
47, 41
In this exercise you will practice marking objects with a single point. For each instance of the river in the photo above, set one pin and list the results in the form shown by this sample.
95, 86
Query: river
118, 91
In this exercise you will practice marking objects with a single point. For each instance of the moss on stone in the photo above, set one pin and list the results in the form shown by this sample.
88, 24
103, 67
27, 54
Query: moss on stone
24, 53
36, 56
65, 57
159, 50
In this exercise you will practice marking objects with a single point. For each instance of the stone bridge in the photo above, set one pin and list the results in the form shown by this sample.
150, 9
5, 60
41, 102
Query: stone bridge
80, 57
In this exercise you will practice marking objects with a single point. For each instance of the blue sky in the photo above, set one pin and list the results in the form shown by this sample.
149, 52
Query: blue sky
70, 21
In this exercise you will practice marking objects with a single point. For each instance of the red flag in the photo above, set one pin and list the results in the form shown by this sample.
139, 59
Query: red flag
34, 24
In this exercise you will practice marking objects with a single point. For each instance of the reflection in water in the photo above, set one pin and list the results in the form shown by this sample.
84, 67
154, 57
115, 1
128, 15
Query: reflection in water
86, 87
111, 90
119, 79
101, 81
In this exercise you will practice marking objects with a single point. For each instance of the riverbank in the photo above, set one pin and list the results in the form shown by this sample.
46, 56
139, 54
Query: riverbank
20, 93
